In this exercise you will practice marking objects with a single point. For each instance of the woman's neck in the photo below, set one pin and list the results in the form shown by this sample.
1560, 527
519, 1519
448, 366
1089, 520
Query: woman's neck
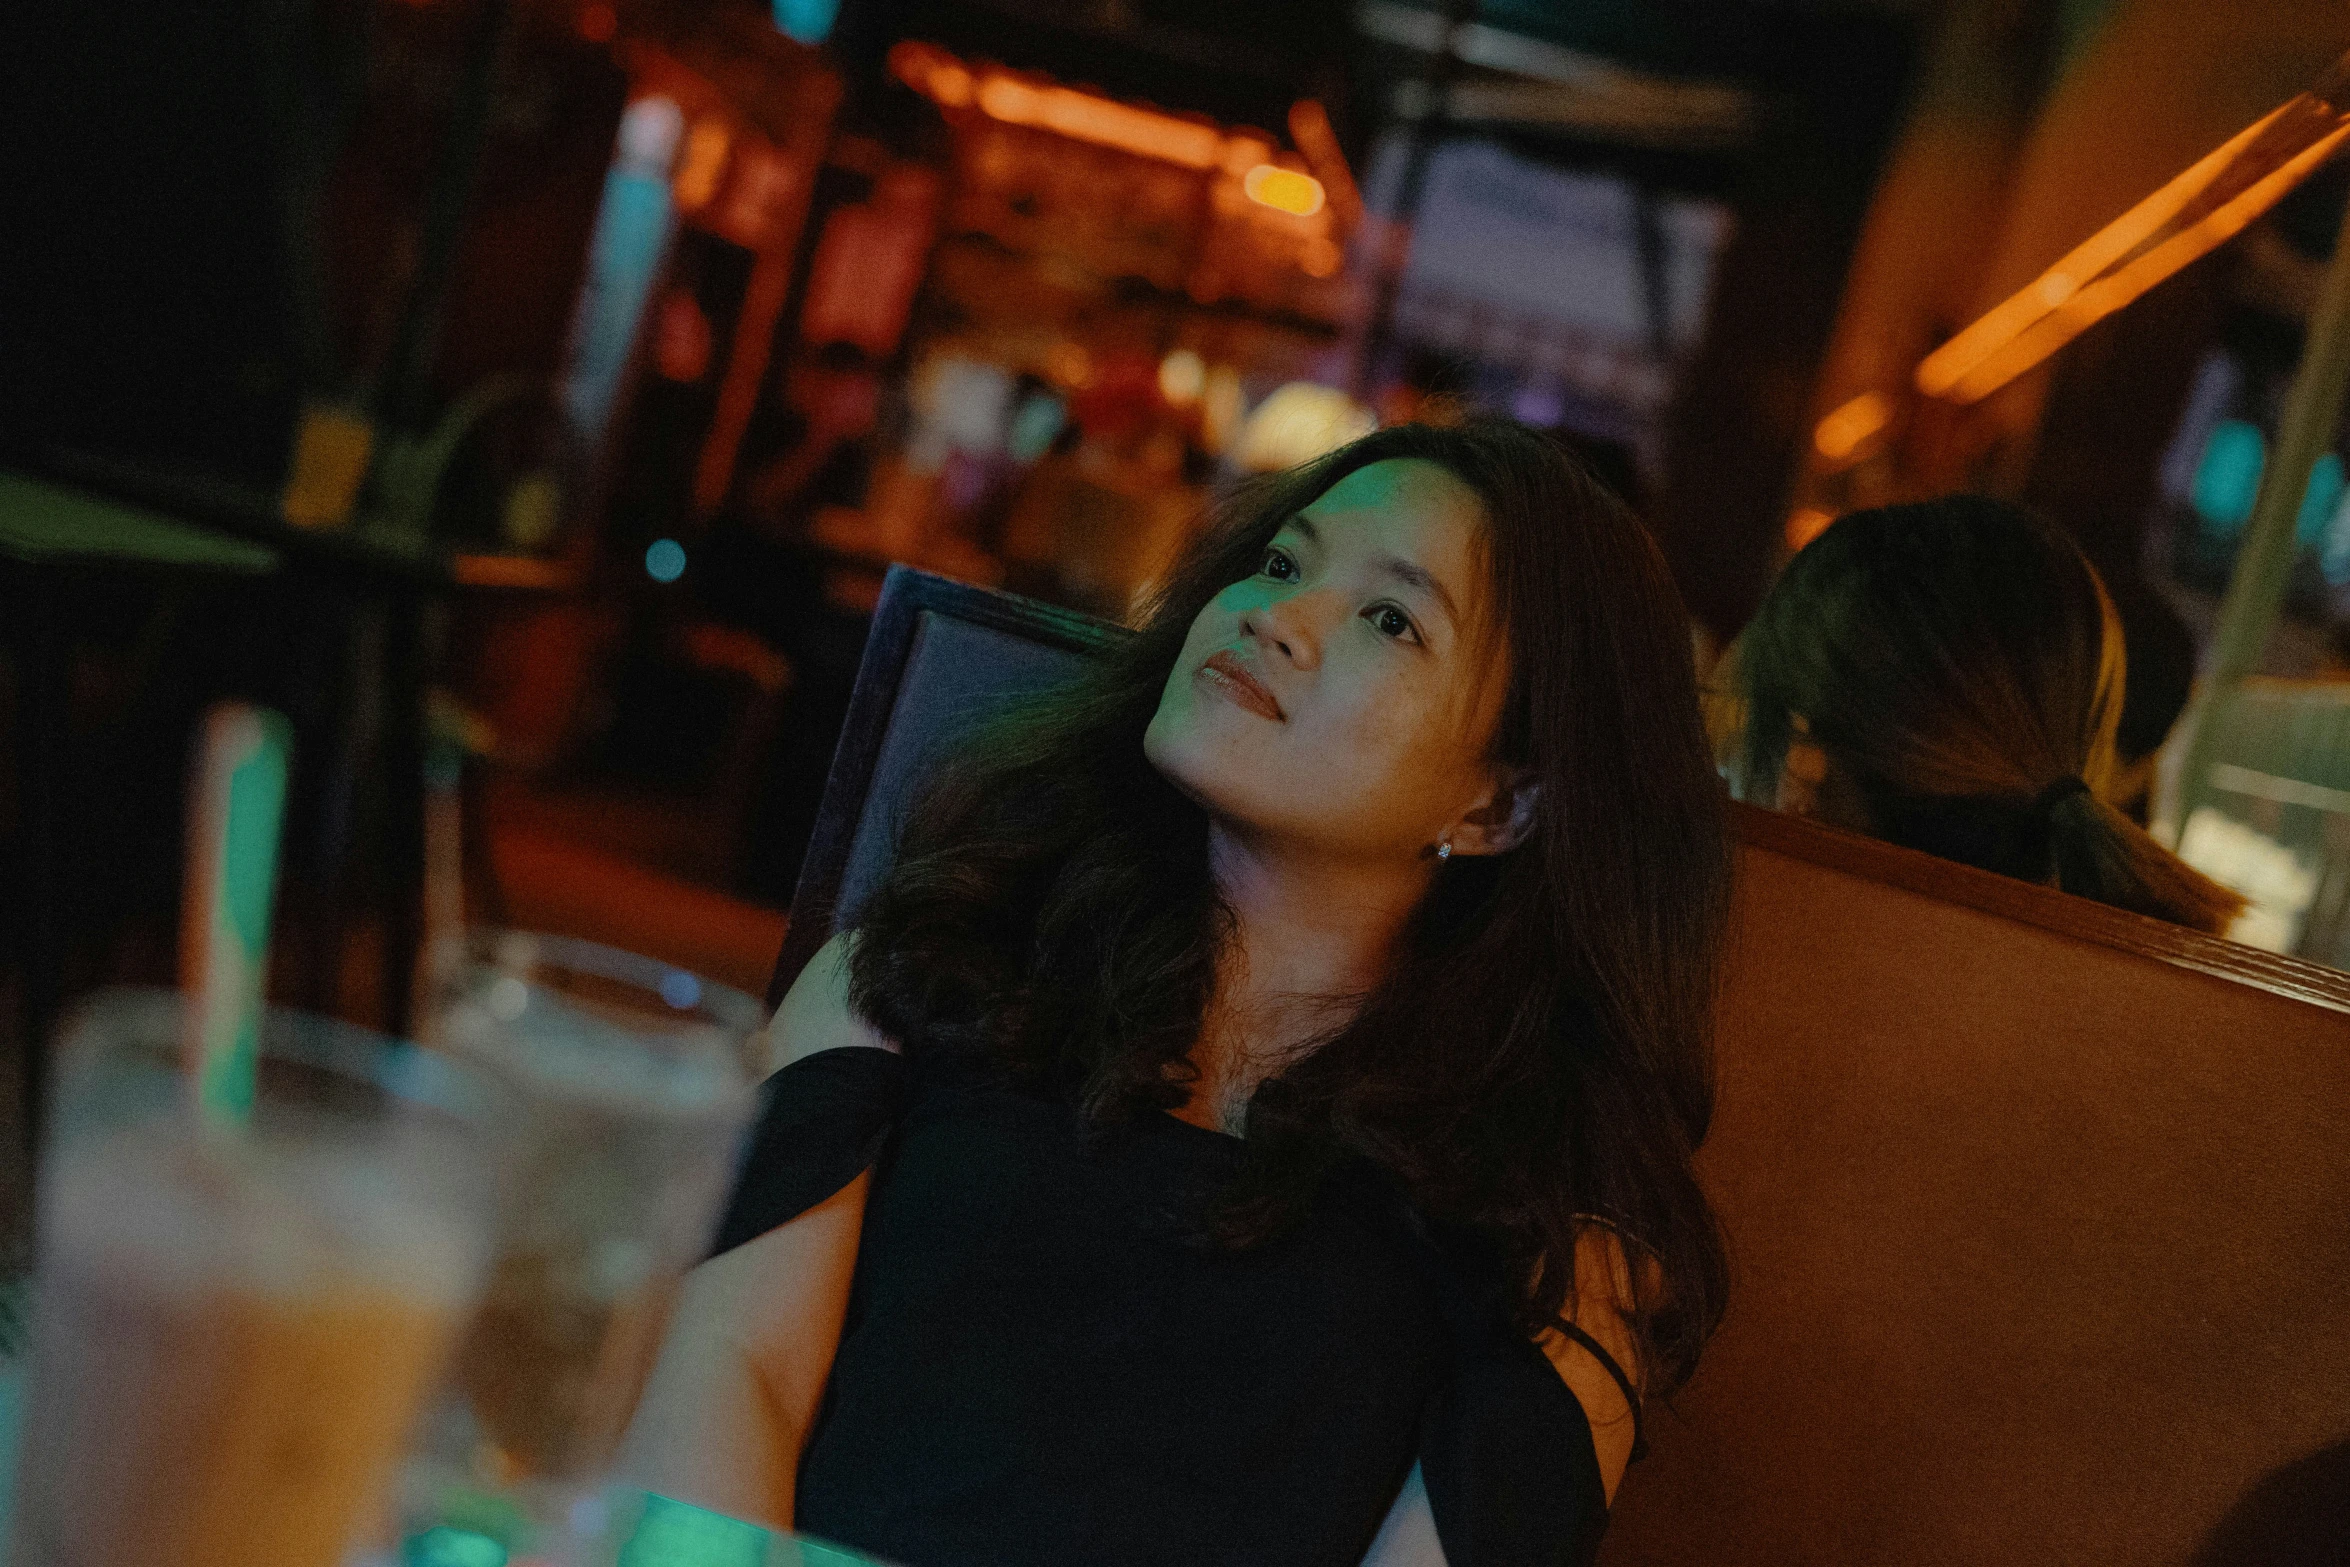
1311, 936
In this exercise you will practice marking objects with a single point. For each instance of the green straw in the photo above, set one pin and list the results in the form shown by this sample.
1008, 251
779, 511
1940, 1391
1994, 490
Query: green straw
236, 809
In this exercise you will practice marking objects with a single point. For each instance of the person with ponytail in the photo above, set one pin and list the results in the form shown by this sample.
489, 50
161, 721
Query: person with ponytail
1948, 675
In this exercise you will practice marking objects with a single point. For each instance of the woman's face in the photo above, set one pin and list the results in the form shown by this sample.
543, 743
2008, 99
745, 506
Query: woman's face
1344, 697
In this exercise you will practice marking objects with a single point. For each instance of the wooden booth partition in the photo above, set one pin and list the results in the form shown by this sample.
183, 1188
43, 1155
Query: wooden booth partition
2040, 1222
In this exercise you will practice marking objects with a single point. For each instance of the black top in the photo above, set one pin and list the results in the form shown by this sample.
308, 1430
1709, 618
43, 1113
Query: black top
1045, 1366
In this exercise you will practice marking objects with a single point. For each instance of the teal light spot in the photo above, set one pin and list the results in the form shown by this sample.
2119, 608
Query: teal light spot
2334, 558
677, 1534
665, 560
1034, 426
2318, 501
447, 1547
808, 21
2227, 480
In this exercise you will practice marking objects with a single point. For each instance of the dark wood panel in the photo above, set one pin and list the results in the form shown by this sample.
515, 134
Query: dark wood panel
1803, 839
2040, 1222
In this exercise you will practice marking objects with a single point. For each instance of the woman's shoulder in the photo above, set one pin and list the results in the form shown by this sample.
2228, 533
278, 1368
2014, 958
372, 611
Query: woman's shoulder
816, 1014
836, 1090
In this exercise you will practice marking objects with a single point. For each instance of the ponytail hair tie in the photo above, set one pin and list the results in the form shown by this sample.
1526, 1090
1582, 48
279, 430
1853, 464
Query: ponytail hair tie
2045, 803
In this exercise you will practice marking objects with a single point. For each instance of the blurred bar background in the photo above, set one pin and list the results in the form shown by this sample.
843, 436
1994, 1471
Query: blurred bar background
527, 396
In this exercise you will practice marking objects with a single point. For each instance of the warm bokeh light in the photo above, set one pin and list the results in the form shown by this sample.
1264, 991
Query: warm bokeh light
1298, 423
1807, 524
1243, 153
2132, 254
1317, 138
1068, 364
1183, 376
1284, 190
1090, 117
1843, 432
598, 23
704, 161
1943, 368
953, 86
1015, 100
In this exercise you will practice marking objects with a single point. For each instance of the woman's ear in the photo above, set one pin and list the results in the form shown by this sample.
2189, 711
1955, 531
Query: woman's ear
1801, 773
1813, 783
1503, 820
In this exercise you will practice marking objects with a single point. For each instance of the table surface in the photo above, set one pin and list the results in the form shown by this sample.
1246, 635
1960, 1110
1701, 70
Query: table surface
45, 524
781, 1550
91, 510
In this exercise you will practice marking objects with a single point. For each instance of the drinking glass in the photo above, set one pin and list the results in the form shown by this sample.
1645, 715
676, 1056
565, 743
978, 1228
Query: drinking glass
635, 1086
234, 1327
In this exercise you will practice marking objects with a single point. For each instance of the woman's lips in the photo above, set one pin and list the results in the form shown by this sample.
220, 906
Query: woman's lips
1229, 678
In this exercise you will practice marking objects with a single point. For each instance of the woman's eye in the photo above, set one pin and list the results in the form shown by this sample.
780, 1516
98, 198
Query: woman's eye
1389, 621
1279, 566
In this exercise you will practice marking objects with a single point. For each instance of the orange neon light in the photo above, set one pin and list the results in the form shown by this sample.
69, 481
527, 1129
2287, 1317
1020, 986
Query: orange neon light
1082, 116
1284, 190
2134, 252
1841, 433
1945, 365
1243, 153
2102, 298
953, 86
1310, 128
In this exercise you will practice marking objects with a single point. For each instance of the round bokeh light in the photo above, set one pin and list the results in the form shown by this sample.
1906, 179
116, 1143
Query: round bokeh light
665, 560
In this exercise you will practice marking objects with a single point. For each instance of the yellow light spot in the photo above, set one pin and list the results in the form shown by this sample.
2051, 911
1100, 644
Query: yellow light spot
1284, 190
1841, 433
1183, 376
704, 161
332, 445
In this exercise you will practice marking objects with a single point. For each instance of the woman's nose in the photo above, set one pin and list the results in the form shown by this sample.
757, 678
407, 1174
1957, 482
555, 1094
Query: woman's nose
1287, 627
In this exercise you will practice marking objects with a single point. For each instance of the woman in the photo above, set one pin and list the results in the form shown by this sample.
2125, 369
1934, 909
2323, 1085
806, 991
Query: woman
1304, 1035
1948, 676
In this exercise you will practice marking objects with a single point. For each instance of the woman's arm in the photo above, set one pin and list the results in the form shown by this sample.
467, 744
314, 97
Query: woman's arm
1408, 1537
751, 1342
1601, 1281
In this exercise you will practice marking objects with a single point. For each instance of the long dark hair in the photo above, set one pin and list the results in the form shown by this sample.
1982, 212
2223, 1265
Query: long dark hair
1959, 662
1539, 1059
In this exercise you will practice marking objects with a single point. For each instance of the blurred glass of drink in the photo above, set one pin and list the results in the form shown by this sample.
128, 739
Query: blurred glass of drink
636, 1089
233, 1329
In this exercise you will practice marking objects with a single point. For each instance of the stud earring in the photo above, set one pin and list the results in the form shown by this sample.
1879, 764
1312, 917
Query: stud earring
1444, 848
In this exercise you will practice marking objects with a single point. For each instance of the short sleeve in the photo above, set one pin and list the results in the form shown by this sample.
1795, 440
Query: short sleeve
1511, 1471
826, 1118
